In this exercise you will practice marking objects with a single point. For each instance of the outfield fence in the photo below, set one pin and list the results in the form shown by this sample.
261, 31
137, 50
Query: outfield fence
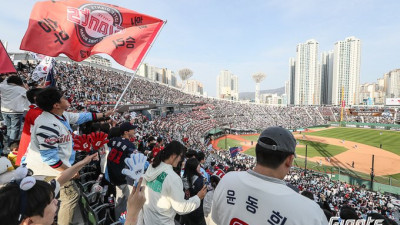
382, 126
381, 183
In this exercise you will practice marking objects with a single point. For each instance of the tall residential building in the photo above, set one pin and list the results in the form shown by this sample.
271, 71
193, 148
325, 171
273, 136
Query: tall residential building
227, 86
194, 87
326, 71
368, 93
385, 82
160, 75
372, 93
306, 70
392, 81
271, 99
380, 94
317, 86
235, 87
98, 60
346, 71
287, 91
291, 86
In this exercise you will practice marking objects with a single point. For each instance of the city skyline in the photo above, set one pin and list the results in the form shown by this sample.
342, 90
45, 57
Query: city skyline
333, 79
250, 37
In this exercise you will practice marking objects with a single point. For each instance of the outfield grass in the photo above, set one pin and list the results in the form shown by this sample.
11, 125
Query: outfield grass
317, 149
251, 151
390, 140
229, 143
313, 149
251, 138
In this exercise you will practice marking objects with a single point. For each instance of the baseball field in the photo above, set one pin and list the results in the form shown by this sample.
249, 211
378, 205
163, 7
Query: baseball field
350, 149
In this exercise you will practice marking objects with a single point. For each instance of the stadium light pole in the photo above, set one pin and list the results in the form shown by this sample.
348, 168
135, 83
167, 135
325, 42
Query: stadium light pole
185, 74
258, 77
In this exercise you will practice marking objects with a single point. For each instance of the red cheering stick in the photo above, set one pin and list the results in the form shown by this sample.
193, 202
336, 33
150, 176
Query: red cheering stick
82, 143
98, 139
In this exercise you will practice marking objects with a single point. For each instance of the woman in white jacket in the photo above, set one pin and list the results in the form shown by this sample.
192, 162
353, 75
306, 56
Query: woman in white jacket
164, 191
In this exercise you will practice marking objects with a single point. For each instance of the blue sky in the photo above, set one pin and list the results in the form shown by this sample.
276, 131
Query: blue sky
250, 36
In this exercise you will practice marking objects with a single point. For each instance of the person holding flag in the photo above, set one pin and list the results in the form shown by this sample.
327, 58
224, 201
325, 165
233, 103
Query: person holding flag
51, 149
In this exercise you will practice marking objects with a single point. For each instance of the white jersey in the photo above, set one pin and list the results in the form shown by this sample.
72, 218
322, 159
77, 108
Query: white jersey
249, 198
51, 142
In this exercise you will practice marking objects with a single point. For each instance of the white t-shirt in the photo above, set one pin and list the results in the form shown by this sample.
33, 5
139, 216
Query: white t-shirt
249, 198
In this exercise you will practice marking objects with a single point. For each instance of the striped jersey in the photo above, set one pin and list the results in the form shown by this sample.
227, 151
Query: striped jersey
52, 142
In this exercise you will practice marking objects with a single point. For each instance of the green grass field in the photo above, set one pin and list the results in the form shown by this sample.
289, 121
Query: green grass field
390, 140
315, 149
250, 138
251, 151
229, 143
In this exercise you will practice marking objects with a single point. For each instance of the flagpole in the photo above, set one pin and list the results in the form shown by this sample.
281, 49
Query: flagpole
134, 72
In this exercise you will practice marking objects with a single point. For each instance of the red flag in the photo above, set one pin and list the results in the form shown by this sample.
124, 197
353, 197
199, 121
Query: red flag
82, 28
6, 65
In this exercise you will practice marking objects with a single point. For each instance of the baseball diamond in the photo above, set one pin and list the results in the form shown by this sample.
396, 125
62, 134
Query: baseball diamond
337, 147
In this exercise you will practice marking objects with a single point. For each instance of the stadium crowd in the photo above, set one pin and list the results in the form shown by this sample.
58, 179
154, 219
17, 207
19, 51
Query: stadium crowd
339, 199
193, 181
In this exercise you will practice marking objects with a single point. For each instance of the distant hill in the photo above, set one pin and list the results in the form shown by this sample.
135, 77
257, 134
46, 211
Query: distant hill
250, 95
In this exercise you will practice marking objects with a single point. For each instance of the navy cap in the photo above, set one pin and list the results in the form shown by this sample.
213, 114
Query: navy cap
285, 141
126, 126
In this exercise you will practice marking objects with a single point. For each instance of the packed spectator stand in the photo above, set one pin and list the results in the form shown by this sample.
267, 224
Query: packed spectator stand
92, 89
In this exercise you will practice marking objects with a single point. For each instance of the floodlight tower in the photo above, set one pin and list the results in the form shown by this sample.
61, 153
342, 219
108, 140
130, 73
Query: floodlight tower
185, 74
258, 77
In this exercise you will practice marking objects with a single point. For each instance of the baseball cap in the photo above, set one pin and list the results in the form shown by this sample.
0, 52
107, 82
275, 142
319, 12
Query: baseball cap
126, 126
285, 142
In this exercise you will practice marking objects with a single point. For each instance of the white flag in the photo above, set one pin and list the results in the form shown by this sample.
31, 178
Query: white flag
37, 57
43, 68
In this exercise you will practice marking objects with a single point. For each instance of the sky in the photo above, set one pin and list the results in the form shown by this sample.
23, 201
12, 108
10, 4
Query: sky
249, 36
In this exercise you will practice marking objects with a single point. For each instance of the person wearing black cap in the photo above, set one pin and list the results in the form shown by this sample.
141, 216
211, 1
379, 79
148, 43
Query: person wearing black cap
260, 195
121, 148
